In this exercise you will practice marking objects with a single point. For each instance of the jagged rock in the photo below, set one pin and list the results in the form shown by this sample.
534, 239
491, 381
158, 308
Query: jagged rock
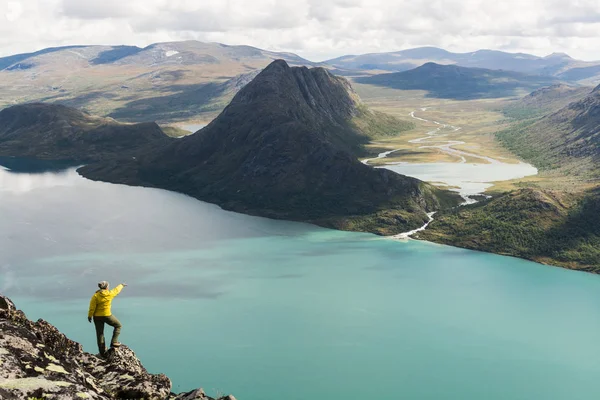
38, 361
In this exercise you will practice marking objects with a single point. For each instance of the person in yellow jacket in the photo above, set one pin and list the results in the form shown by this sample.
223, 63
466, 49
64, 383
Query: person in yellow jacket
100, 311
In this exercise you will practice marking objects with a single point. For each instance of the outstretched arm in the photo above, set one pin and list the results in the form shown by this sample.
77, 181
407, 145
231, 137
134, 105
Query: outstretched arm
117, 289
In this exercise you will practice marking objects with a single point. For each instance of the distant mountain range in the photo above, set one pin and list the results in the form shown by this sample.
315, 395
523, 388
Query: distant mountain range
194, 81
163, 82
451, 81
159, 54
558, 65
285, 147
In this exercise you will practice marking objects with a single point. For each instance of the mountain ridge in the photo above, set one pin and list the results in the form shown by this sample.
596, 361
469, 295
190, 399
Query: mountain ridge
286, 147
566, 138
456, 82
50, 131
397, 61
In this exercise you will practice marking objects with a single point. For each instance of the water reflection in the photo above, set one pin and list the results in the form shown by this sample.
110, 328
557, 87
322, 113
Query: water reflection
20, 182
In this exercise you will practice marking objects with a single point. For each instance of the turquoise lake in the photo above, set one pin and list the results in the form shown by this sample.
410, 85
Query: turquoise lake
271, 310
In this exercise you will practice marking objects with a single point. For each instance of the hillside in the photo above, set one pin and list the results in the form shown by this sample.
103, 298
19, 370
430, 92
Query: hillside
555, 219
550, 227
560, 65
166, 82
453, 82
286, 147
568, 139
37, 361
49, 131
545, 100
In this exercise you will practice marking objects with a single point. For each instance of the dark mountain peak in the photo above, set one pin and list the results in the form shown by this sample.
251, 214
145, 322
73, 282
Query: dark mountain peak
277, 66
300, 91
286, 147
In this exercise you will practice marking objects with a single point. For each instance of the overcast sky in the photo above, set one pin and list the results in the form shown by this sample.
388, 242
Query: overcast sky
315, 29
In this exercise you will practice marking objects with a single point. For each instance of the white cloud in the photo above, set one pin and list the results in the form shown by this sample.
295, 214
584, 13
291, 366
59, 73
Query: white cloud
316, 29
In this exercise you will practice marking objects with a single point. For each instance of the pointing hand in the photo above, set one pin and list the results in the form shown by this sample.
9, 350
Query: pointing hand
124, 284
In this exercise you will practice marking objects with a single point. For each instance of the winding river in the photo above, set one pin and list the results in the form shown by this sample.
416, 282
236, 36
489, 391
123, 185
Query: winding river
468, 179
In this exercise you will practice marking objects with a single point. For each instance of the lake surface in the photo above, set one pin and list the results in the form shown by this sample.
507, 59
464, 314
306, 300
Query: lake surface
192, 127
271, 310
469, 179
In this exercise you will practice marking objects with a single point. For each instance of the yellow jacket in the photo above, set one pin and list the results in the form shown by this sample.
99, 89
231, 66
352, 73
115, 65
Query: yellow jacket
101, 302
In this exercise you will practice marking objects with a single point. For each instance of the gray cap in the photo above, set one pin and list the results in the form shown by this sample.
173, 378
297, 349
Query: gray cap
103, 285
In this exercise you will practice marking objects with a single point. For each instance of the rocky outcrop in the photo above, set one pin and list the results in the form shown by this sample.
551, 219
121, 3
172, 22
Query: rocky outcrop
37, 361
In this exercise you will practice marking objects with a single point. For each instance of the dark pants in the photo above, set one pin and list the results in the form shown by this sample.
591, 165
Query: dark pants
112, 321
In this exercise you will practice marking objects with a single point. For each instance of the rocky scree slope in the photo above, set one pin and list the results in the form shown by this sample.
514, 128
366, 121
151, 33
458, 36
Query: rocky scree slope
39, 362
286, 147
49, 131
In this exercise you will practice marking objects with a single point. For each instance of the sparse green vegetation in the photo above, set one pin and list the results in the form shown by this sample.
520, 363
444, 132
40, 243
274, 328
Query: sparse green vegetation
544, 226
552, 218
174, 131
518, 112
376, 124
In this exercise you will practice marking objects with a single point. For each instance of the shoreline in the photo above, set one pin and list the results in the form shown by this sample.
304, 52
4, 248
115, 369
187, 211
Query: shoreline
445, 146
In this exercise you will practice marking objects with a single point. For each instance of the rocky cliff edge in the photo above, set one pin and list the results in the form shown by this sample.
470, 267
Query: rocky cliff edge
37, 361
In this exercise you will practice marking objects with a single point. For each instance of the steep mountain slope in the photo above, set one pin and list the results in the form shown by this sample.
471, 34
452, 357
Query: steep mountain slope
546, 100
58, 132
286, 147
568, 139
556, 64
450, 81
135, 84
